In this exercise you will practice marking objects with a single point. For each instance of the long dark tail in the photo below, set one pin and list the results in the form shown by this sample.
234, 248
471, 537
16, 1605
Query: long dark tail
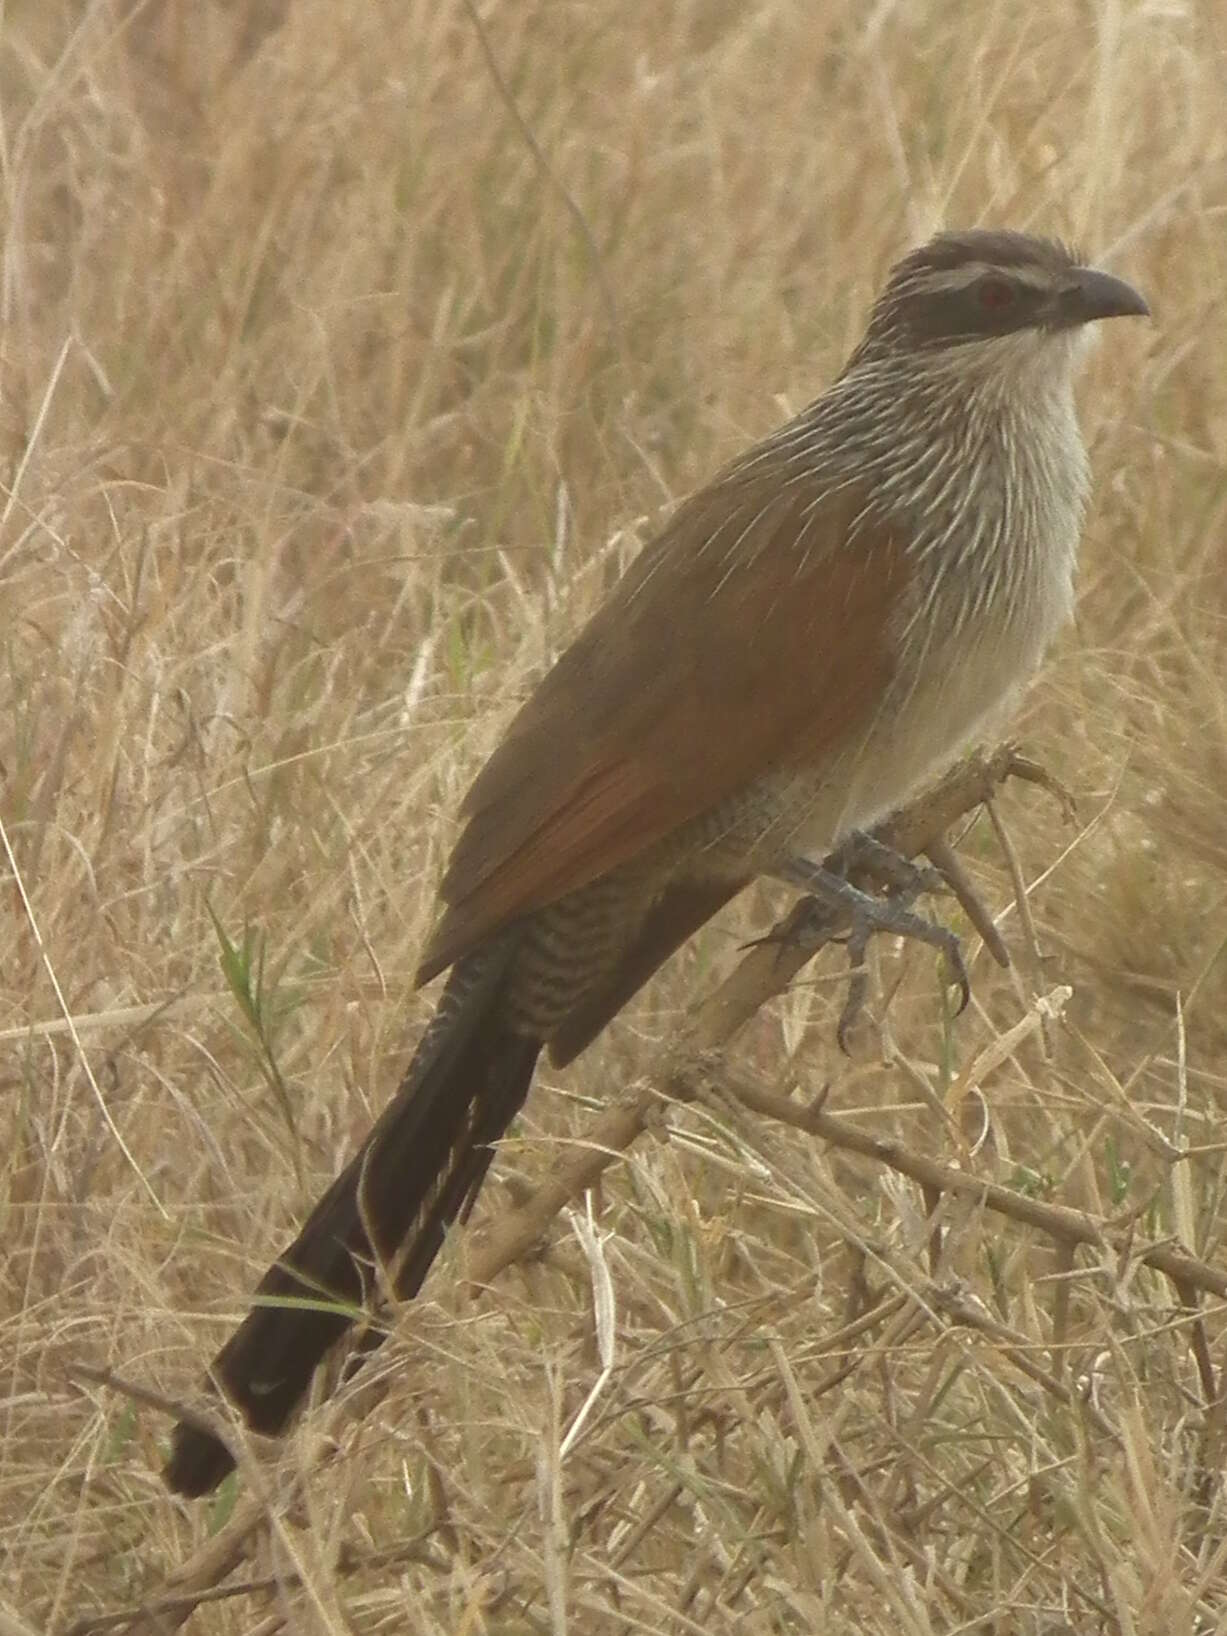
416, 1172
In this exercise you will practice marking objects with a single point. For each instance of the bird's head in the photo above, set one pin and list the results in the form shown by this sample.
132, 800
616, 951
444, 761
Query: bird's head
992, 304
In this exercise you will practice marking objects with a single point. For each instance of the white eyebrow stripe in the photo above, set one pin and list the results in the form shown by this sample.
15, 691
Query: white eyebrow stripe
949, 279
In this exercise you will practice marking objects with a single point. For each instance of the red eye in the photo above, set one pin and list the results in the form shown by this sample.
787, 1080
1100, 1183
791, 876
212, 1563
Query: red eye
995, 294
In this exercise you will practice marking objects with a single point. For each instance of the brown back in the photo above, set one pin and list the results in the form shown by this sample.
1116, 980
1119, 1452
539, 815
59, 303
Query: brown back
751, 636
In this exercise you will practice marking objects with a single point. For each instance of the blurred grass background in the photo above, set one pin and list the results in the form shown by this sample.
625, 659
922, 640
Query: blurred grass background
323, 422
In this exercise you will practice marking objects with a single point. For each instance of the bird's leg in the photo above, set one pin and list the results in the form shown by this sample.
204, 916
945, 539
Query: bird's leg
906, 879
870, 914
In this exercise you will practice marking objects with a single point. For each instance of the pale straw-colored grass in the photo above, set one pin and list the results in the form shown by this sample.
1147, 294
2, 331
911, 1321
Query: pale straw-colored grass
323, 424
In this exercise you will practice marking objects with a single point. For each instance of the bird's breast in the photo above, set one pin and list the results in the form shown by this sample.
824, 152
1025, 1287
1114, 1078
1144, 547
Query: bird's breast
988, 593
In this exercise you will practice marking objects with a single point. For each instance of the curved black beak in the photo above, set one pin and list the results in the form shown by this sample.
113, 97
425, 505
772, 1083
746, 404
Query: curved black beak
1099, 295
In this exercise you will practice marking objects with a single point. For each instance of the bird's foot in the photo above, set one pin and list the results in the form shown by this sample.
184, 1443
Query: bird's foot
870, 914
905, 878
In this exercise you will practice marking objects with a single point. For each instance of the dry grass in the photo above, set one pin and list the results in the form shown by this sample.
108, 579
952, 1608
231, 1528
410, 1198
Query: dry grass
322, 425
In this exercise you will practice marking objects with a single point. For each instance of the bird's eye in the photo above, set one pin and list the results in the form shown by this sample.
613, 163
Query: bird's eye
995, 294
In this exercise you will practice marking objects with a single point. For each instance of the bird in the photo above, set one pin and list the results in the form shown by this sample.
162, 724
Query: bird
812, 635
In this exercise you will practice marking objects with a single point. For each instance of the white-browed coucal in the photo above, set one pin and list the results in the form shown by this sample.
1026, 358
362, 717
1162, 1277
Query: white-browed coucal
813, 635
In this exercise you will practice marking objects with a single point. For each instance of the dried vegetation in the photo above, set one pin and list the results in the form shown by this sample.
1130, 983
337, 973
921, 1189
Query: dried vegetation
332, 397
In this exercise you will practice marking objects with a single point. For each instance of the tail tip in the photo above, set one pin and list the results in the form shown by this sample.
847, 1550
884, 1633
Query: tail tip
198, 1462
